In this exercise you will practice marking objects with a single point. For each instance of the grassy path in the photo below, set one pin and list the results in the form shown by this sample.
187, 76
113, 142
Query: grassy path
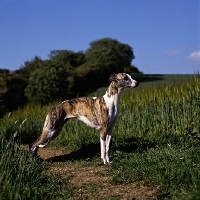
90, 179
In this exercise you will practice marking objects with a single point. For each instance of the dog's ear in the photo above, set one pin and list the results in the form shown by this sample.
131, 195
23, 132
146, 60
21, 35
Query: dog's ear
112, 77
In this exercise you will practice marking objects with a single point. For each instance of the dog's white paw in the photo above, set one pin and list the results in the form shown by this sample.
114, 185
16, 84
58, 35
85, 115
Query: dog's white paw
107, 162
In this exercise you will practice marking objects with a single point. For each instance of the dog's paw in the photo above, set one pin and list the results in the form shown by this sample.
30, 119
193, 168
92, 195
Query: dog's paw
33, 151
107, 162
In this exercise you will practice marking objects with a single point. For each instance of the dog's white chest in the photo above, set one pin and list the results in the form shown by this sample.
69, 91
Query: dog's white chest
88, 122
112, 105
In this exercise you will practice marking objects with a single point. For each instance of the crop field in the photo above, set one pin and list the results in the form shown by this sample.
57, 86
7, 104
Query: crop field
155, 149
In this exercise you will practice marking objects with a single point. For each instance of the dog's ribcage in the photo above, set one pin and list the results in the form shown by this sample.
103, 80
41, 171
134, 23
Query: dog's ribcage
92, 111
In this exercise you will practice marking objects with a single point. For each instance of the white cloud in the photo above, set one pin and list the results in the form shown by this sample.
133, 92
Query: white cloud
172, 52
194, 56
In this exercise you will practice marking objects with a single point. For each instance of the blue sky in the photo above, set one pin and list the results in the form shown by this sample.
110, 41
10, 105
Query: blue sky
164, 34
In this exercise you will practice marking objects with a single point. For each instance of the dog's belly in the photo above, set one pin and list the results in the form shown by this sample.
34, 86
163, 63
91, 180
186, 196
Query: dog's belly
88, 122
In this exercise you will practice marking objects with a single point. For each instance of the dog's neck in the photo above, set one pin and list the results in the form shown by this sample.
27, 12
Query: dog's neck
113, 89
113, 93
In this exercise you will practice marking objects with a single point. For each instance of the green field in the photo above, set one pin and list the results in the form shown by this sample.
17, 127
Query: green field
155, 148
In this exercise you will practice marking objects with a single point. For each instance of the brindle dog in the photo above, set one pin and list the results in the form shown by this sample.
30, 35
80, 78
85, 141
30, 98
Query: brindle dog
97, 112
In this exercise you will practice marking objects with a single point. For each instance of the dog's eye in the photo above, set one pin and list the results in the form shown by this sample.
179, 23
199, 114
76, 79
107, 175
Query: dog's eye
126, 78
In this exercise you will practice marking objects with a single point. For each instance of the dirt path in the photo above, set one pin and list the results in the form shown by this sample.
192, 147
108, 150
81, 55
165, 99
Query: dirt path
93, 182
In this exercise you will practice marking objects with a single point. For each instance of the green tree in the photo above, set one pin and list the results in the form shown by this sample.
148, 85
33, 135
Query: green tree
86, 79
13, 96
131, 69
68, 57
4, 71
48, 82
3, 75
29, 67
109, 55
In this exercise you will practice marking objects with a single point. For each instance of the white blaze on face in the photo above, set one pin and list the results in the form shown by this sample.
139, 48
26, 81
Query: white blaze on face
133, 82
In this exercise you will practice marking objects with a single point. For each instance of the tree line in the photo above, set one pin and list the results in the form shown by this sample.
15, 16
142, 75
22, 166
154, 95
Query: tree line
66, 74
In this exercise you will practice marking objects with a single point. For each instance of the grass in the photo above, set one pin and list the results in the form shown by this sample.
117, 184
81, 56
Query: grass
155, 142
24, 177
174, 167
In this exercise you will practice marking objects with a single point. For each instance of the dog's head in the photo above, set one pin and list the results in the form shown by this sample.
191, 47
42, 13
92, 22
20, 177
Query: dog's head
123, 80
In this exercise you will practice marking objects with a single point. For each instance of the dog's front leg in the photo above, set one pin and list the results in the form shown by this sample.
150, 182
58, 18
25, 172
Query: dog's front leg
103, 150
108, 138
105, 144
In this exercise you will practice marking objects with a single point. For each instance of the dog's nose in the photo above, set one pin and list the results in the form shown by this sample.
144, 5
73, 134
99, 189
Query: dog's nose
136, 83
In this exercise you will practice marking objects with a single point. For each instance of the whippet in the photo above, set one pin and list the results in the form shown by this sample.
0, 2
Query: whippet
97, 112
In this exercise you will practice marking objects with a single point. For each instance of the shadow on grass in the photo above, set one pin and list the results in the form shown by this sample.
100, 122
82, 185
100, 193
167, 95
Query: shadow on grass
134, 144
92, 150
85, 153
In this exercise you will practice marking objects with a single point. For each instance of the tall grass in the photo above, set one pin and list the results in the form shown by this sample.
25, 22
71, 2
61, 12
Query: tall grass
25, 177
156, 111
156, 139
166, 109
21, 175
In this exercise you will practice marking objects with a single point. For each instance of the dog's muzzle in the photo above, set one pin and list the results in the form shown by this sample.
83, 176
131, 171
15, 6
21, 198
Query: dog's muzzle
136, 83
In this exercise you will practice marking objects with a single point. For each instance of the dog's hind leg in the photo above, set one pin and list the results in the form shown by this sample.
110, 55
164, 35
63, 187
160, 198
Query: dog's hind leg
45, 139
40, 142
52, 127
